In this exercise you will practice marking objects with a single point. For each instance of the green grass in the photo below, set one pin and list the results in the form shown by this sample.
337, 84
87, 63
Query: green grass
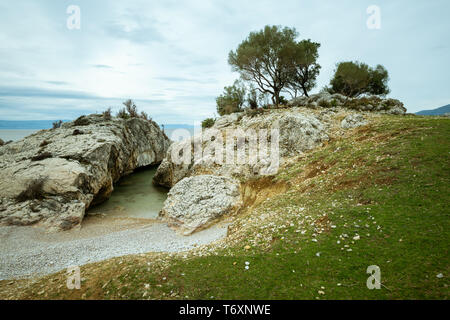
388, 183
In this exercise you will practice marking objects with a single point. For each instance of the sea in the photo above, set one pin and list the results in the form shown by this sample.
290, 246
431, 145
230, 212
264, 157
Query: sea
17, 130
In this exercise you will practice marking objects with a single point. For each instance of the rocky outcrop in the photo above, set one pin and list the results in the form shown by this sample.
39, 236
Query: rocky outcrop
295, 133
353, 121
371, 103
196, 202
54, 176
203, 188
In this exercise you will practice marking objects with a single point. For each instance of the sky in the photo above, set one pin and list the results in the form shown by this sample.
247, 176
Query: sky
171, 56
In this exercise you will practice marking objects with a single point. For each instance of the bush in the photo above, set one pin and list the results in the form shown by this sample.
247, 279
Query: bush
208, 123
144, 116
131, 108
107, 114
283, 100
57, 124
130, 111
324, 103
123, 114
232, 99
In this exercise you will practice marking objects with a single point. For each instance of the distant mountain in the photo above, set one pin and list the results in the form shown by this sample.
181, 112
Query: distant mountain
435, 112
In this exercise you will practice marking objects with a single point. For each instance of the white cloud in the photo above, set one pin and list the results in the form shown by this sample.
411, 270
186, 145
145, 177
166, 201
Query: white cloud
171, 56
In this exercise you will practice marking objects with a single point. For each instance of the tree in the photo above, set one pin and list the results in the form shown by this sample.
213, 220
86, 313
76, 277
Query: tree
232, 99
379, 78
304, 68
264, 58
353, 79
131, 108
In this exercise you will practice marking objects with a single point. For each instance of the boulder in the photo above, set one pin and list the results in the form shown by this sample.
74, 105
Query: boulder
55, 175
353, 121
196, 202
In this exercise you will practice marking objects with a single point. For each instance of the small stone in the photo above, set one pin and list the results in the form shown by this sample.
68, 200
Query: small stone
321, 292
440, 276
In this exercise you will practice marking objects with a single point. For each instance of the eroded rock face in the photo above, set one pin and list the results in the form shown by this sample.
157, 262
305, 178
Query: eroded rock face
297, 133
196, 202
54, 176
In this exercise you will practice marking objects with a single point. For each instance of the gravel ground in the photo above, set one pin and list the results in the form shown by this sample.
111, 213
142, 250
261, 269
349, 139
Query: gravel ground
29, 251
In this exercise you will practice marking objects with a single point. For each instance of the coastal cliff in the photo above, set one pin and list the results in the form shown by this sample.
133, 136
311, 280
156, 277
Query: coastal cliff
53, 176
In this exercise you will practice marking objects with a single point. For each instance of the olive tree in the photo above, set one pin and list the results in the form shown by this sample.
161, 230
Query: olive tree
273, 60
304, 68
353, 79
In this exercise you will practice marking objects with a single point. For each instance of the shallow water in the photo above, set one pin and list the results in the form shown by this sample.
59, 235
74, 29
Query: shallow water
15, 134
134, 196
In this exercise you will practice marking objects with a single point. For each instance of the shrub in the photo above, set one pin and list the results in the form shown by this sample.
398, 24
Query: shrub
232, 99
35, 190
131, 108
208, 123
130, 111
107, 114
283, 100
123, 114
57, 124
145, 116
324, 103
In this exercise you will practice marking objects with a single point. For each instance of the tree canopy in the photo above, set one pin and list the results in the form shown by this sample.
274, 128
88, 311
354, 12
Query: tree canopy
353, 79
304, 68
274, 61
232, 99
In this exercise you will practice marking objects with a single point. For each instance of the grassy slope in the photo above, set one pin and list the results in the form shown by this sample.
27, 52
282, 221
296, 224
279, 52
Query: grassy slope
388, 183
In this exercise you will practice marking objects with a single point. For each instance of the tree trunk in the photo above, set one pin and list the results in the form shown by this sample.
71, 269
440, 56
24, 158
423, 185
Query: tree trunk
305, 91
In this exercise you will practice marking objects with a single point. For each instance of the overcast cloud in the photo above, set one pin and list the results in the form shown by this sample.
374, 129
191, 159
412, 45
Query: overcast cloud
171, 56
